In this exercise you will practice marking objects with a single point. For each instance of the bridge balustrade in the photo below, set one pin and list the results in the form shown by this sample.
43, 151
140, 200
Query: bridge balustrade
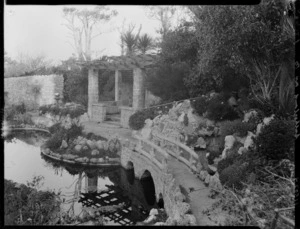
155, 153
178, 150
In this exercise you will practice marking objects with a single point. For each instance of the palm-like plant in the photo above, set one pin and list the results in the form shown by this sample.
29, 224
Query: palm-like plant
130, 40
145, 43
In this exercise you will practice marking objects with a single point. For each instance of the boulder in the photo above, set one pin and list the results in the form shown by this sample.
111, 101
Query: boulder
181, 117
203, 175
224, 153
78, 148
214, 182
240, 140
229, 141
232, 101
91, 144
201, 143
258, 128
190, 219
85, 147
95, 152
64, 144
105, 146
153, 211
249, 114
267, 120
94, 160
207, 179
100, 160
249, 141
242, 150
183, 208
179, 197
99, 144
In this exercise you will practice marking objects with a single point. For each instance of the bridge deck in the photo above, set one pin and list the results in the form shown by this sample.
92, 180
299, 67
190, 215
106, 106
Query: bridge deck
184, 178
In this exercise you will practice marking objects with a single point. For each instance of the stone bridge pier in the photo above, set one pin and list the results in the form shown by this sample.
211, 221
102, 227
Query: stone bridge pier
165, 186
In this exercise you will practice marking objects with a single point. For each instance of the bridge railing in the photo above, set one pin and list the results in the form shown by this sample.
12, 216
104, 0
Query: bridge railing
177, 150
155, 153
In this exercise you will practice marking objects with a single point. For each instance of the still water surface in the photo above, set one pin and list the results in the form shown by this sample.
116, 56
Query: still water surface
80, 187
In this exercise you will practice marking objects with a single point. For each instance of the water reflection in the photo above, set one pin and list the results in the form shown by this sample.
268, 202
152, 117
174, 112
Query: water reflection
114, 192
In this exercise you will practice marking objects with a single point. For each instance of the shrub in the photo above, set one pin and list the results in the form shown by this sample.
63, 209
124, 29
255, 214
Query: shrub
258, 118
232, 176
218, 109
277, 140
137, 120
54, 142
200, 105
74, 132
55, 128
74, 110
236, 126
21, 108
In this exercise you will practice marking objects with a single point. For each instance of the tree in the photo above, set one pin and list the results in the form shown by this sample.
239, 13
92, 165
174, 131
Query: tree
164, 15
81, 24
145, 43
130, 40
252, 41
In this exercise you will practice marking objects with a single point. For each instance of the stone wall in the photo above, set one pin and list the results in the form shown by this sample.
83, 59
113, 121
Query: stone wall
33, 91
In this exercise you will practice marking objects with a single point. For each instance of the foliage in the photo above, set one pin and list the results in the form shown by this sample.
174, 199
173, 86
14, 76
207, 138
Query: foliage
236, 127
145, 43
178, 53
16, 115
166, 81
54, 142
200, 105
74, 110
185, 120
277, 140
137, 120
218, 109
232, 176
26, 205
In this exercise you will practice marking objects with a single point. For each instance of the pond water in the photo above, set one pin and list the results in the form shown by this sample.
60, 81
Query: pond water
81, 188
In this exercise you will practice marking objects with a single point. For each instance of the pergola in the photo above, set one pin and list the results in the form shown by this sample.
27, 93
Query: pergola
137, 63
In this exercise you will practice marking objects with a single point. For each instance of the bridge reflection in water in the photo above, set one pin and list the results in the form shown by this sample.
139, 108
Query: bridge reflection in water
131, 199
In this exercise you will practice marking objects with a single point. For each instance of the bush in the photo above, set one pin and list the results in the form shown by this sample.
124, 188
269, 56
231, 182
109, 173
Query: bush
137, 120
238, 127
20, 108
54, 142
74, 110
74, 132
232, 176
218, 109
200, 105
277, 140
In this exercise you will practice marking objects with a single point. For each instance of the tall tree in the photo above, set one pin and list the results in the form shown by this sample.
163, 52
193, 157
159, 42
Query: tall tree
81, 24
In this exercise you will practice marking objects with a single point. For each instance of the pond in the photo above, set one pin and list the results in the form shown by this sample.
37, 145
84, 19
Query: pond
81, 188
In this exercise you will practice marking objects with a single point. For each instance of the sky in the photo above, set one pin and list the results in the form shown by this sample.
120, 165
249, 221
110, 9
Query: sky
38, 30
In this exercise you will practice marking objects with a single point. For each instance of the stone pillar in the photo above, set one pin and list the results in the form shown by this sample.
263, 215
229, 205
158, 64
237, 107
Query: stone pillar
92, 90
138, 100
117, 85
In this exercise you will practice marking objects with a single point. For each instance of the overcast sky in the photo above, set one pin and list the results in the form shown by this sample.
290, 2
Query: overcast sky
35, 30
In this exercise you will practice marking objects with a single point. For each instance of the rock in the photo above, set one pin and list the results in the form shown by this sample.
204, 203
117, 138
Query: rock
150, 218
85, 147
179, 197
172, 115
249, 141
249, 114
183, 208
190, 219
232, 101
47, 151
105, 146
94, 160
84, 118
159, 224
192, 118
199, 167
229, 141
146, 132
95, 152
171, 221
181, 117
100, 160
82, 141
267, 120
212, 168
224, 153
242, 150
64, 144
201, 143
153, 211
78, 148
91, 144
214, 182
258, 128
99, 144
240, 140
207, 179
111, 146
203, 175
80, 160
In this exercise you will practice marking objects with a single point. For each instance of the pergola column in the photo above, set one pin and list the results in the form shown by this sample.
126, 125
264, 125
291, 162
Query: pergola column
138, 100
92, 89
117, 85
